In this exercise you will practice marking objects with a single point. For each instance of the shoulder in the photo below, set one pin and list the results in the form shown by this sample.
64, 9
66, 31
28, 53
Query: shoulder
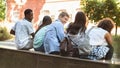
97, 30
102, 30
25, 21
69, 25
57, 22
44, 28
18, 22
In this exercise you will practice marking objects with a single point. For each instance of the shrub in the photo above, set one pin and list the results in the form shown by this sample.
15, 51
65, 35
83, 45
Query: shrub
4, 34
116, 45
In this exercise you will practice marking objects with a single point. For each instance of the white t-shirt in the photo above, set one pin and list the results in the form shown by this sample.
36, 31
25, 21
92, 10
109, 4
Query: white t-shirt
23, 29
97, 36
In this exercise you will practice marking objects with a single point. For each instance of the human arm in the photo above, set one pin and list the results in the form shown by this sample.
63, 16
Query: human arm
108, 38
30, 29
33, 34
12, 32
59, 31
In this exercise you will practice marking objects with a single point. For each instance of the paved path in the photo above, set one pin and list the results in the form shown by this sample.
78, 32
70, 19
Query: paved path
7, 44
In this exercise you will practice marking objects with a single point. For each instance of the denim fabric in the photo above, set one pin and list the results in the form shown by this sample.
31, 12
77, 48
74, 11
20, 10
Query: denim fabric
41, 49
54, 34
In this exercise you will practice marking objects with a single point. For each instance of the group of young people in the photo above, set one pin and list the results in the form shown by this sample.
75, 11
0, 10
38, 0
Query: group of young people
50, 33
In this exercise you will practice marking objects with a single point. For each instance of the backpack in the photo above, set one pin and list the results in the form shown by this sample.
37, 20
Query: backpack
82, 40
79, 45
67, 48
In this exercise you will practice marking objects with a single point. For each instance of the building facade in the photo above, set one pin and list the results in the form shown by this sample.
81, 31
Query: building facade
15, 9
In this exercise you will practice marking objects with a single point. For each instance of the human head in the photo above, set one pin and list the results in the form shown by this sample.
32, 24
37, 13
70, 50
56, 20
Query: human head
80, 18
63, 16
107, 24
46, 20
28, 14
79, 23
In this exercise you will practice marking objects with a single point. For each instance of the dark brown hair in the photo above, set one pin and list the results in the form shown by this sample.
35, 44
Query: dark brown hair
106, 24
78, 24
46, 21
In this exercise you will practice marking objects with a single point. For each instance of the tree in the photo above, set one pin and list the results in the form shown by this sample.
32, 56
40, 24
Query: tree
98, 9
2, 10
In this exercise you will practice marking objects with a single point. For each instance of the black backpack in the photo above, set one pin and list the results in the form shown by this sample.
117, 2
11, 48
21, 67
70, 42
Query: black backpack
68, 49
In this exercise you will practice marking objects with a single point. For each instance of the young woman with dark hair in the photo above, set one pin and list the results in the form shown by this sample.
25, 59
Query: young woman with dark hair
77, 30
101, 36
78, 24
40, 33
46, 21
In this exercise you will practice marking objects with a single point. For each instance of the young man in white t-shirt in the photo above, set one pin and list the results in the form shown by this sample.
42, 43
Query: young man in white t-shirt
23, 31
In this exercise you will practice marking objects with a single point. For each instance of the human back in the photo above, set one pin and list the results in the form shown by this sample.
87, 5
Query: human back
52, 38
40, 33
97, 36
22, 34
23, 31
77, 33
101, 39
55, 33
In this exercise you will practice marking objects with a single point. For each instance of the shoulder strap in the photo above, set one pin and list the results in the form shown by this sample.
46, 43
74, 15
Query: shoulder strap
71, 40
57, 34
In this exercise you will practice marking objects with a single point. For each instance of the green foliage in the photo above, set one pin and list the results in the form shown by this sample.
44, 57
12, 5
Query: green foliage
2, 10
4, 34
91, 11
116, 45
98, 9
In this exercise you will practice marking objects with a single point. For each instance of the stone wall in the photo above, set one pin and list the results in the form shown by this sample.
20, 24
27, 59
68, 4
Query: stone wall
28, 59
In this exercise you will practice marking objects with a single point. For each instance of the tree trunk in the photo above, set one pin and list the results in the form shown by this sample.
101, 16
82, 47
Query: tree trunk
116, 29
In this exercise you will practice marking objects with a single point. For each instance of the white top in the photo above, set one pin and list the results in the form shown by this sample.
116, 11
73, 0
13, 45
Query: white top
23, 29
97, 36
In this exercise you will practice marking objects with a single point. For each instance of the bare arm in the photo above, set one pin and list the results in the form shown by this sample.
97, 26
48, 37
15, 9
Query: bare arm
108, 38
12, 32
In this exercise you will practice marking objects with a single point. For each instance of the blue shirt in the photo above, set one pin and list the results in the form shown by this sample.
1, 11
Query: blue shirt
54, 34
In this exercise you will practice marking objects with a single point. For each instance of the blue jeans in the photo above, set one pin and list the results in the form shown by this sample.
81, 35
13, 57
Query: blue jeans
110, 53
41, 49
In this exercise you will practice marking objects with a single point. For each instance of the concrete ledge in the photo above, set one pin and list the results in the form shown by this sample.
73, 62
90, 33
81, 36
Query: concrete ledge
26, 59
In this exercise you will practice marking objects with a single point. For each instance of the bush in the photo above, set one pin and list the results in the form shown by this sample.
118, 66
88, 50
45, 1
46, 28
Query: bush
116, 45
4, 34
